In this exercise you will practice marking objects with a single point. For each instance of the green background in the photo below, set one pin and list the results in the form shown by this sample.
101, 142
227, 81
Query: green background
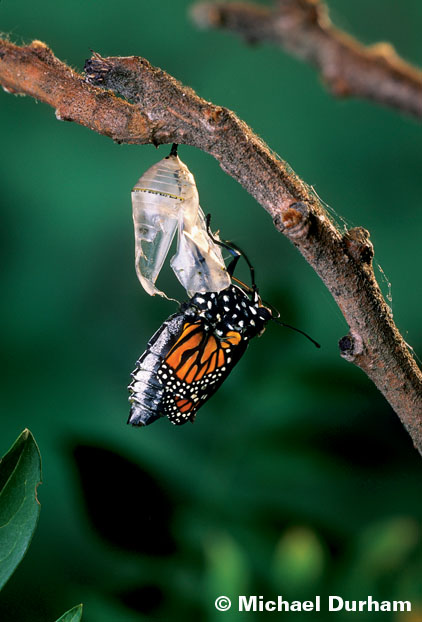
297, 477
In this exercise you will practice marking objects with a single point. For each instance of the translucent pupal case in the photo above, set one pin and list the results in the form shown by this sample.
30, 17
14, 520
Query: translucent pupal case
165, 200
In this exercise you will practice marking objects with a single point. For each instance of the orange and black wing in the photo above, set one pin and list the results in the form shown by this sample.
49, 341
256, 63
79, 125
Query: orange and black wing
195, 367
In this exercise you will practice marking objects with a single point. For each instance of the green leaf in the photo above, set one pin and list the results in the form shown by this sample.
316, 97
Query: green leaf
20, 474
73, 615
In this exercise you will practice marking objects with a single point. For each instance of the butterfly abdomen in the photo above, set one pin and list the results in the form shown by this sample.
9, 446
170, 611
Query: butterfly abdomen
146, 389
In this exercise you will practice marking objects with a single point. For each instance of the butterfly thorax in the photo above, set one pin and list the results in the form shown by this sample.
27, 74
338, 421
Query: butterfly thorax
230, 310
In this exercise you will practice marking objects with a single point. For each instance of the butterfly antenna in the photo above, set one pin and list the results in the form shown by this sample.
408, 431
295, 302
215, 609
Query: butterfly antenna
316, 344
243, 285
236, 252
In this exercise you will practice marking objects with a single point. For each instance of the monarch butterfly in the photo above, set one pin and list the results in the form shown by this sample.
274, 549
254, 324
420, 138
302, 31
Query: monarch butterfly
165, 199
194, 351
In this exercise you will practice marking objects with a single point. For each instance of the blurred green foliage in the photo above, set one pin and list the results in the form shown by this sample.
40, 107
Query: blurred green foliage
297, 478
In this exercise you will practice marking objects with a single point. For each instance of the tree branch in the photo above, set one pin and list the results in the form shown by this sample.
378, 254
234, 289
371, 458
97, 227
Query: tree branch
34, 70
303, 28
164, 111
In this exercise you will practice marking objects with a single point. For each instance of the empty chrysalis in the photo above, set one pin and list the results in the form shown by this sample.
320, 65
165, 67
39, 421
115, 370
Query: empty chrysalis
165, 200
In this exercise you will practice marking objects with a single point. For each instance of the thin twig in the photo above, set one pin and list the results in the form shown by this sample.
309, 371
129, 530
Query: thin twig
304, 29
164, 111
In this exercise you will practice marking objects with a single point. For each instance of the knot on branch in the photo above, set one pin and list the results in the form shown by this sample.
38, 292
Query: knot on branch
216, 115
207, 15
304, 12
386, 53
358, 245
351, 346
96, 69
118, 74
294, 221
42, 51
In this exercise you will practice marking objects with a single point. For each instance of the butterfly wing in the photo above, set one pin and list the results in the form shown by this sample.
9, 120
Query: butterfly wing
195, 367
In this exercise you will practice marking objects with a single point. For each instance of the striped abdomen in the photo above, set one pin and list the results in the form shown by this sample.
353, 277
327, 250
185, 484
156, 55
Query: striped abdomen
146, 391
